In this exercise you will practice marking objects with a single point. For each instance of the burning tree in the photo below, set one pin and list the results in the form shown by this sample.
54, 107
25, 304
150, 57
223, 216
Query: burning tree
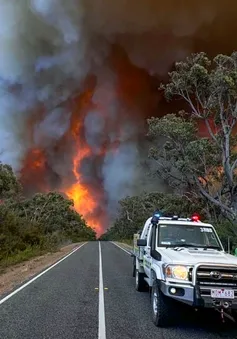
206, 166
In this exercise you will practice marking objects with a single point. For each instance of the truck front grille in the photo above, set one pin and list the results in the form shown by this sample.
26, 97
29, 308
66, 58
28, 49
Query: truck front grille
217, 276
209, 277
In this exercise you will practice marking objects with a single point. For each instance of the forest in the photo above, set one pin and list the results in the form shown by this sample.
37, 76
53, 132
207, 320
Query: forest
200, 170
31, 226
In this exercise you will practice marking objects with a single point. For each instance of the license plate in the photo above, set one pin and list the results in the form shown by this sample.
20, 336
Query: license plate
222, 293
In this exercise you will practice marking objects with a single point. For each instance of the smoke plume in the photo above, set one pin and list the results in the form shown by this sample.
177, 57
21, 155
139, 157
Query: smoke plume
77, 80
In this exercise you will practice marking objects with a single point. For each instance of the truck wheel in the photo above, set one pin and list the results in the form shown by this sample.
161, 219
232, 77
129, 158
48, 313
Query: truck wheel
140, 282
161, 307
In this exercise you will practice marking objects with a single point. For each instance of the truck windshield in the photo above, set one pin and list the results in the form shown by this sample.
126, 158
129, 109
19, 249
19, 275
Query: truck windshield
187, 236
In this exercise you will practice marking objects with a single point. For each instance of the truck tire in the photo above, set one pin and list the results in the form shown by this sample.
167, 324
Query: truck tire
140, 282
162, 312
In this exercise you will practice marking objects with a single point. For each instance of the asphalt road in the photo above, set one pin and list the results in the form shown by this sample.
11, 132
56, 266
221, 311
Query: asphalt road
64, 303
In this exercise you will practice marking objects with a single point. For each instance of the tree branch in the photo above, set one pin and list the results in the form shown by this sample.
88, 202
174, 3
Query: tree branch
233, 166
211, 199
189, 101
168, 174
211, 132
128, 218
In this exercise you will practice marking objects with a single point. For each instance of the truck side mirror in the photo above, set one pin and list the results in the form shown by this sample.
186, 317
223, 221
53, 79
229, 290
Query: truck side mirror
141, 242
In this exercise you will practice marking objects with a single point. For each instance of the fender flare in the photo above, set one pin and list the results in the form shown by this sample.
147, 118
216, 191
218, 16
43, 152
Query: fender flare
156, 273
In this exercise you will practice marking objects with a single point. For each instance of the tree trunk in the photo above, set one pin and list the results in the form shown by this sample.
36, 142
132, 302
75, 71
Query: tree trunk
234, 202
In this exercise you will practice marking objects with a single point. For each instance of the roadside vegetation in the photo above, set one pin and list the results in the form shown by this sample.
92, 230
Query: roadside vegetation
32, 226
195, 151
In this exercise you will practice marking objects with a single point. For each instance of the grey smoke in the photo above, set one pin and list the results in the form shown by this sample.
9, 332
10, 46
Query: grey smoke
120, 173
48, 47
119, 168
95, 130
52, 128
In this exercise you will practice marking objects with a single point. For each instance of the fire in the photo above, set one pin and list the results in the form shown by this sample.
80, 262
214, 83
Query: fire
58, 159
39, 160
34, 171
84, 204
62, 166
84, 201
78, 192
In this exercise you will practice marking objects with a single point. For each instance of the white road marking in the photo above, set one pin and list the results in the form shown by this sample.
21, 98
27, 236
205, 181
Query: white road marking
121, 248
38, 276
102, 330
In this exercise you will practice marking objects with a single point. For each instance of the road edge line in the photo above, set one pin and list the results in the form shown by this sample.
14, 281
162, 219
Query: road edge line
39, 275
101, 329
121, 248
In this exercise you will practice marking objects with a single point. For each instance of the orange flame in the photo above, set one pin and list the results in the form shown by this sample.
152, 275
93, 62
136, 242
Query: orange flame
79, 193
84, 203
134, 96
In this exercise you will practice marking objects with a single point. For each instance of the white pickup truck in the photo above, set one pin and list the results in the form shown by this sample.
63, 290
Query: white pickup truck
183, 260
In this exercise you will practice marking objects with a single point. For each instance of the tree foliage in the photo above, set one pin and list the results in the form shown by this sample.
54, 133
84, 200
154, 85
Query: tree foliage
202, 171
134, 211
206, 164
45, 221
50, 209
188, 164
9, 185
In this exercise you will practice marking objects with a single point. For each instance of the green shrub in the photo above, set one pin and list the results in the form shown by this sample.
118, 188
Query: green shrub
29, 226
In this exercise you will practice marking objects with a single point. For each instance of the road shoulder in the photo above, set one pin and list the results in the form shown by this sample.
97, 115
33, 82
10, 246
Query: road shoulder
17, 274
124, 245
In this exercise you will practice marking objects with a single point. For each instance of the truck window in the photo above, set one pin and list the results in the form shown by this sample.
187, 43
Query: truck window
149, 238
153, 238
171, 235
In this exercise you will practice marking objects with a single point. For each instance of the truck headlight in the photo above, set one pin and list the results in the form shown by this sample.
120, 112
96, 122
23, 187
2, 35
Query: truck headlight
176, 272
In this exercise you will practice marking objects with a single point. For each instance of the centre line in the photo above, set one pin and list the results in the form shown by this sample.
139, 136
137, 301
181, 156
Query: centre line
102, 331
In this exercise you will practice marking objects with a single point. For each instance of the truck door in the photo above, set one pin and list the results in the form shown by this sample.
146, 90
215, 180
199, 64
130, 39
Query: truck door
147, 259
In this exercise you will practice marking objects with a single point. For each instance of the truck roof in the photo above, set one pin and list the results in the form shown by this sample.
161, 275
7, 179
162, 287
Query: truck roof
180, 221
170, 221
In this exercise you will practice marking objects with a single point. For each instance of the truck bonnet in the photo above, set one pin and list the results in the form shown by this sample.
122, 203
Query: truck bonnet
194, 256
